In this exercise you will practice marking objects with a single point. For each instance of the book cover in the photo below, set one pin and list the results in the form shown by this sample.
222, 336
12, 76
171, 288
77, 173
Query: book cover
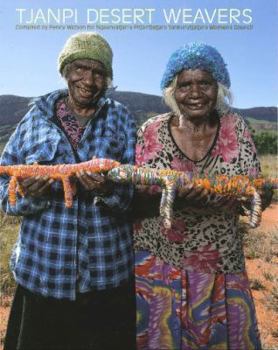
143, 34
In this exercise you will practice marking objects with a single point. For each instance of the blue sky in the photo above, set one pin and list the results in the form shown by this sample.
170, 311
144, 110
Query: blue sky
28, 57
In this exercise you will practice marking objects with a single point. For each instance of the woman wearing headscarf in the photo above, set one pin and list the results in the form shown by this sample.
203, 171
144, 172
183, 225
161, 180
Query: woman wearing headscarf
191, 284
73, 266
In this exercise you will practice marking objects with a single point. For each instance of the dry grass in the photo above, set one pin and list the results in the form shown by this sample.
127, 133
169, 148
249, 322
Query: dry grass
261, 250
269, 164
256, 284
272, 300
260, 245
8, 235
268, 276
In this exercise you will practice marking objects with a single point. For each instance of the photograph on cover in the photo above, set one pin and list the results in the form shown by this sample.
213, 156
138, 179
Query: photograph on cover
138, 174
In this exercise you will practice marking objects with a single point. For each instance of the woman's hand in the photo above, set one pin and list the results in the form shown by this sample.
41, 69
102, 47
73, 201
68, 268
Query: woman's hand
36, 186
201, 198
94, 182
195, 194
266, 195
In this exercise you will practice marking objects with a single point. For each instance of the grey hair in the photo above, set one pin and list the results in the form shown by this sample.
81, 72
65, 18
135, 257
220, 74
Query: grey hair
223, 102
66, 69
224, 99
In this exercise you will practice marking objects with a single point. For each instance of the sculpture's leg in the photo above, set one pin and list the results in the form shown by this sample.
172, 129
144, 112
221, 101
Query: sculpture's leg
256, 210
167, 202
12, 190
68, 192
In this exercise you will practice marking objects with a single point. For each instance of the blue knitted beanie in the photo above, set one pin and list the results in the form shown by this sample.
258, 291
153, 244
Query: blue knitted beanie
196, 56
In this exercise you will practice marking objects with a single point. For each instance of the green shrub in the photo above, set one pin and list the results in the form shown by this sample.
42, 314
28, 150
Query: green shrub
266, 143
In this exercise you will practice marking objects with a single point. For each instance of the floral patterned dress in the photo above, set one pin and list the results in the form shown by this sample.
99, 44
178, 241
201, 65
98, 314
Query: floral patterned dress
192, 290
69, 123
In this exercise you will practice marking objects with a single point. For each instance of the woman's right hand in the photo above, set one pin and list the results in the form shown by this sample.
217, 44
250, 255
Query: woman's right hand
36, 186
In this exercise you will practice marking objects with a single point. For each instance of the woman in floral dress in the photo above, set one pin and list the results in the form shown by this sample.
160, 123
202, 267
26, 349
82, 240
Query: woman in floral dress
191, 284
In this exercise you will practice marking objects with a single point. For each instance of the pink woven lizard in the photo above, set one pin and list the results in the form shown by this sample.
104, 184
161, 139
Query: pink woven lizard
62, 172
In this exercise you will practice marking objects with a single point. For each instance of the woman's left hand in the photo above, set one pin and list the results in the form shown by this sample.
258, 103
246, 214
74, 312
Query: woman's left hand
94, 182
201, 197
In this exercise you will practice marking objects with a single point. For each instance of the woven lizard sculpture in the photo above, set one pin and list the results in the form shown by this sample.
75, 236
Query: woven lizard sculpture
240, 187
171, 181
62, 172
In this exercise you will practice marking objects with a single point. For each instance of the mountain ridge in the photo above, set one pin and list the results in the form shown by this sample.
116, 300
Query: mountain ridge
13, 107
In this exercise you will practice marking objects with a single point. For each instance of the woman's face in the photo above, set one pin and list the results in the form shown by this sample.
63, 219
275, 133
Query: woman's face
86, 82
196, 93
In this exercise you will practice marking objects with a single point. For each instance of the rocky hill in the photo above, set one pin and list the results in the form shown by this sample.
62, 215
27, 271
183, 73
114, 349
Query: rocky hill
13, 108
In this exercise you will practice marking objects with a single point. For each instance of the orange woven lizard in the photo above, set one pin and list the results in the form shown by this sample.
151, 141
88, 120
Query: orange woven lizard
61, 172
